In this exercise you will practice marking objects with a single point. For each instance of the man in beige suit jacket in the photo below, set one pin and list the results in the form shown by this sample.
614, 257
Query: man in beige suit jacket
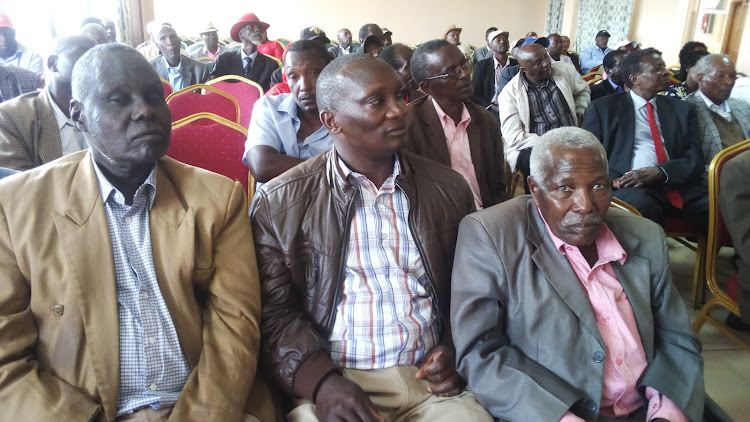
62, 334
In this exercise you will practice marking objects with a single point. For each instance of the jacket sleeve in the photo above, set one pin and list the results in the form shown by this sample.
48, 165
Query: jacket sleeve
478, 84
28, 393
686, 164
587, 59
514, 132
592, 121
219, 385
581, 90
15, 152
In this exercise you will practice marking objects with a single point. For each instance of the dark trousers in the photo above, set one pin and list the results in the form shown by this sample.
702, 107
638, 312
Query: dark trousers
653, 204
522, 165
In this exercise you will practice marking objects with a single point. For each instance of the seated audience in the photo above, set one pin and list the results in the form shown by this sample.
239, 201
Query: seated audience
561, 268
453, 36
364, 214
285, 129
180, 71
399, 57
690, 83
652, 143
542, 97
722, 121
487, 72
96, 32
37, 128
247, 61
594, 55
555, 48
572, 54
150, 48
345, 43
110, 29
614, 83
270, 47
102, 318
12, 52
211, 48
15, 81
484, 51
445, 126
686, 49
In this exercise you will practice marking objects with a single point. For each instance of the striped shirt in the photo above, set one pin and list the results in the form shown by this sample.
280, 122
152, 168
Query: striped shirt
548, 108
385, 317
153, 369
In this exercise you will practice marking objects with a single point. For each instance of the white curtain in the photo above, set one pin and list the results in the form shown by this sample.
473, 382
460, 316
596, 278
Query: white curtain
555, 10
595, 15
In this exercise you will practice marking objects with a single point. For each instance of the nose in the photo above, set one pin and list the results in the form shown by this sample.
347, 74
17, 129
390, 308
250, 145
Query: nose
397, 109
583, 200
142, 110
307, 83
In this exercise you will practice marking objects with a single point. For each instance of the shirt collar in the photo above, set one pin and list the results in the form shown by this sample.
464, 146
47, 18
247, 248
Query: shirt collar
243, 55
723, 107
608, 248
497, 62
148, 187
639, 101
617, 88
288, 105
60, 117
14, 56
446, 120
526, 83
176, 70
361, 180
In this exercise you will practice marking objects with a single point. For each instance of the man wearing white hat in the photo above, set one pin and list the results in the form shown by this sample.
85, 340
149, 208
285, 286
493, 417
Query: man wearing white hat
212, 48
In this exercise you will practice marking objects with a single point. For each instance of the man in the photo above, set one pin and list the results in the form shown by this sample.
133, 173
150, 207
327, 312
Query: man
12, 52
285, 129
542, 97
355, 249
345, 43
314, 33
399, 57
487, 72
652, 143
614, 84
446, 127
573, 55
722, 121
594, 55
484, 52
560, 269
16, 81
211, 48
555, 48
110, 29
37, 128
96, 32
181, 71
511, 71
247, 61
370, 40
98, 287
453, 36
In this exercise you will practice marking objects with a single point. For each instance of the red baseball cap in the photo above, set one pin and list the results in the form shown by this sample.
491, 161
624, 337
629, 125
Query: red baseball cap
244, 20
5, 21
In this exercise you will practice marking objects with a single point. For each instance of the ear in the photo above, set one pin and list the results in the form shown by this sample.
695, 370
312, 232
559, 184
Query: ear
633, 79
425, 87
535, 189
329, 121
52, 63
76, 114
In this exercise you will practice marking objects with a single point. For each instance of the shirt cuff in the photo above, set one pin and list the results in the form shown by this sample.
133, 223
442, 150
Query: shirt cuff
570, 417
659, 406
666, 176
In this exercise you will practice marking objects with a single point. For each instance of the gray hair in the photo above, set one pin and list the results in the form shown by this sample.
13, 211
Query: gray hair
86, 69
705, 64
541, 160
331, 80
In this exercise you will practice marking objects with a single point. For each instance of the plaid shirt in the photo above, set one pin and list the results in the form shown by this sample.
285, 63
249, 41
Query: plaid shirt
153, 369
385, 315
547, 107
15, 81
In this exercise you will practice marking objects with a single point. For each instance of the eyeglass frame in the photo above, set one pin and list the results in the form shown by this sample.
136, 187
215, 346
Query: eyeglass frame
466, 65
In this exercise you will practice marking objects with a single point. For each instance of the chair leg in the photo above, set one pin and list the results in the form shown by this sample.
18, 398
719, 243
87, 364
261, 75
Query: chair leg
699, 279
704, 316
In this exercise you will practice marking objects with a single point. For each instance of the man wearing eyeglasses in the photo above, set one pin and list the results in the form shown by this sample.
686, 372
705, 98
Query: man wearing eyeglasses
445, 126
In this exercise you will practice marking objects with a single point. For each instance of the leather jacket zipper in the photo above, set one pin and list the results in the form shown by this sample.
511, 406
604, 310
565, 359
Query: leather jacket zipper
342, 263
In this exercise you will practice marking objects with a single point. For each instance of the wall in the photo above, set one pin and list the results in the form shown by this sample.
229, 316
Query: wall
660, 24
743, 59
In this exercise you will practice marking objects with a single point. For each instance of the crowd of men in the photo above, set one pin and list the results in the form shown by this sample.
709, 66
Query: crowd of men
383, 273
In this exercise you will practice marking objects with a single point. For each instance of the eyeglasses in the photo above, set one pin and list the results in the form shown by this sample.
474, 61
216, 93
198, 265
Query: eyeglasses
455, 73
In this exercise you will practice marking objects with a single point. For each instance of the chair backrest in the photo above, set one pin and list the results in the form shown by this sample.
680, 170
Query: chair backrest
277, 60
168, 90
210, 142
622, 205
245, 91
186, 102
195, 47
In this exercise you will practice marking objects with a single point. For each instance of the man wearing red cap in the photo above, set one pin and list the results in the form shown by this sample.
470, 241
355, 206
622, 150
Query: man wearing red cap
11, 52
247, 61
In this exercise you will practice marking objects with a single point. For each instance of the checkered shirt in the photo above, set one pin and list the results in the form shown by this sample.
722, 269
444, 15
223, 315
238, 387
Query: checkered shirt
15, 81
385, 317
153, 369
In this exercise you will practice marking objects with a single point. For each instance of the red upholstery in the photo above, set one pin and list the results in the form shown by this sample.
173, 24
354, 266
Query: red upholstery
211, 143
244, 91
187, 102
167, 88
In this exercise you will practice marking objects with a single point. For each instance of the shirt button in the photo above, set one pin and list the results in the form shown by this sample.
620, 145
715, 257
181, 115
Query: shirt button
619, 361
151, 340
153, 387
58, 310
127, 220
591, 406
598, 357
144, 295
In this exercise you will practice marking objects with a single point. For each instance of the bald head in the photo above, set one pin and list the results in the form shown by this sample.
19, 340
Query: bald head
334, 76
86, 72
530, 52
535, 63
96, 32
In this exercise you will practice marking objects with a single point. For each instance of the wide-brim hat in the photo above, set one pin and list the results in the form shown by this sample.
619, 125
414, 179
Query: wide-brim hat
244, 20
452, 28
210, 28
5, 21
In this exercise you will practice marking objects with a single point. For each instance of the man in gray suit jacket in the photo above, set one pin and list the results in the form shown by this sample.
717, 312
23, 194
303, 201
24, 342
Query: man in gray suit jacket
561, 309
179, 70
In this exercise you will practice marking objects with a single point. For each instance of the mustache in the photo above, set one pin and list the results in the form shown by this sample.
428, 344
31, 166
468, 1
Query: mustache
574, 219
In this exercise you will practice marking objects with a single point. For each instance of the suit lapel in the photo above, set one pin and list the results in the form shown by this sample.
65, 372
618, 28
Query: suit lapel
668, 124
187, 74
84, 232
434, 131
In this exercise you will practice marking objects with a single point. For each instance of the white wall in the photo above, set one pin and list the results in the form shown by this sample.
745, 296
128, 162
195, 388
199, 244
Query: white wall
660, 24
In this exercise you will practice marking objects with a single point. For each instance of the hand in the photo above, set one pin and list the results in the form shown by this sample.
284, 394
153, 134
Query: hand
339, 399
640, 177
439, 368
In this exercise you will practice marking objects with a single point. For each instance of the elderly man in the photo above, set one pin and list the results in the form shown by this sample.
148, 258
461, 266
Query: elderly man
593, 280
16, 81
96, 32
345, 43
247, 61
487, 72
399, 57
285, 129
211, 47
541, 97
181, 71
446, 127
594, 55
614, 84
355, 249
12, 52
37, 128
652, 142
102, 317
111, 29
722, 121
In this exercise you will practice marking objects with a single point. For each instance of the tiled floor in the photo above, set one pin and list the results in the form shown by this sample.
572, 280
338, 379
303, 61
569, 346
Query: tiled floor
727, 365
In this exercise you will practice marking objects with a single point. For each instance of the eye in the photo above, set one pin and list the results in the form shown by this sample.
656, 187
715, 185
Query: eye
564, 188
375, 101
118, 98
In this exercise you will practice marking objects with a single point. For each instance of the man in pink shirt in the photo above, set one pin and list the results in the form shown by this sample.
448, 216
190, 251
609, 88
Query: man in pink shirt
566, 310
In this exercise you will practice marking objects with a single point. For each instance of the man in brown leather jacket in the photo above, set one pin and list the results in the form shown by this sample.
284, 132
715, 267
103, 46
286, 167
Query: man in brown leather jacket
355, 250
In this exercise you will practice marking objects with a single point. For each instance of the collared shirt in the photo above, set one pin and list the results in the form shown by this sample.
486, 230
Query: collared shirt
153, 369
385, 317
498, 72
614, 86
175, 74
345, 51
722, 109
71, 137
207, 53
624, 357
644, 151
457, 139
548, 108
252, 56
592, 56
563, 59
25, 58
15, 81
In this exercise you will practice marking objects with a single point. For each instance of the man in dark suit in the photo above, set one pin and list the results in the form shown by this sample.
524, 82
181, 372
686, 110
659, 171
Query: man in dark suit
446, 127
180, 71
247, 61
652, 143
487, 72
614, 82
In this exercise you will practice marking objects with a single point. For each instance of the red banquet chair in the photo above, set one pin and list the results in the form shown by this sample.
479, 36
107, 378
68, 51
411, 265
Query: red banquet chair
168, 90
245, 91
187, 102
213, 143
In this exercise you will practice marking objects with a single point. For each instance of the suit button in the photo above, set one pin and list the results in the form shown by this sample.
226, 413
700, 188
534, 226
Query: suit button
58, 310
598, 357
591, 406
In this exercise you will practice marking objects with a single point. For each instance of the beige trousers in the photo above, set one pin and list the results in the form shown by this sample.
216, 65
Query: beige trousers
148, 414
400, 397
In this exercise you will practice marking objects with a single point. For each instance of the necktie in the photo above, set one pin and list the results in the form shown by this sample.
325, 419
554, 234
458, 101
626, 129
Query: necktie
248, 65
661, 154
